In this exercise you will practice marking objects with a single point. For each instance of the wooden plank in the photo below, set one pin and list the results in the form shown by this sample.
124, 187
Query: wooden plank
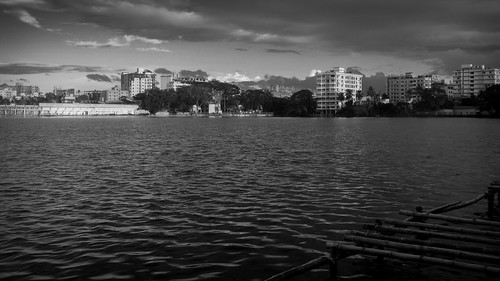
450, 218
426, 249
415, 258
432, 243
435, 234
443, 228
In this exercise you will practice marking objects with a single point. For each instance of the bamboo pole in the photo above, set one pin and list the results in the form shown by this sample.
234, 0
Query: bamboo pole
431, 243
443, 228
450, 218
308, 266
436, 234
416, 258
464, 204
439, 209
425, 249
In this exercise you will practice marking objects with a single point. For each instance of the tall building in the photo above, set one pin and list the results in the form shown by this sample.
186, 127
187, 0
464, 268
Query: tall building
166, 81
399, 85
471, 79
137, 82
329, 86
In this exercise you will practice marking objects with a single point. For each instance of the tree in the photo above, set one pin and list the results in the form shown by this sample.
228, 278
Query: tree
489, 100
341, 98
302, 104
370, 92
255, 99
348, 94
359, 96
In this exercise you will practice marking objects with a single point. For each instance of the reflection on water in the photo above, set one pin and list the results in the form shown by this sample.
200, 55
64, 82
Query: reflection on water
221, 199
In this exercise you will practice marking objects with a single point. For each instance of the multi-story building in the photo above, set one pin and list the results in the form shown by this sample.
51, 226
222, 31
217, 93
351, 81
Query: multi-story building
471, 79
166, 81
138, 82
64, 92
27, 90
115, 94
332, 83
8, 92
95, 96
399, 86
281, 91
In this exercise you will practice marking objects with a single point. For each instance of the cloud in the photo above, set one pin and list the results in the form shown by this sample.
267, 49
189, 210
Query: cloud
113, 42
132, 38
162, 71
197, 73
442, 33
35, 68
278, 51
25, 17
154, 49
115, 78
235, 77
99, 77
313, 72
117, 42
272, 80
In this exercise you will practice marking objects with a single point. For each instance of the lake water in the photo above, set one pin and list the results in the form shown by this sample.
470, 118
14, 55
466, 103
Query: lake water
137, 198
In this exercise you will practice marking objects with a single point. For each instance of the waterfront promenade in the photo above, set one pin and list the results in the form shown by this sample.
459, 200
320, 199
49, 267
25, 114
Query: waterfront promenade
69, 109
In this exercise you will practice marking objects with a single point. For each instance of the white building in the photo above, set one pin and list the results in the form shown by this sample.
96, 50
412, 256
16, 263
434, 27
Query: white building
399, 85
471, 79
138, 82
8, 93
329, 86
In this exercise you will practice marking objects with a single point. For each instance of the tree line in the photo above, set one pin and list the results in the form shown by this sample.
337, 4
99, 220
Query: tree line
422, 101
199, 95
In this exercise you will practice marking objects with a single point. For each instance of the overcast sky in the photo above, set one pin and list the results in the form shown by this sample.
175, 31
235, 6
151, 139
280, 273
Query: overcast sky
86, 44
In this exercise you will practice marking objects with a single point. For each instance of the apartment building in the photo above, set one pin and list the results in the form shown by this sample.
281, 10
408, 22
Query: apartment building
114, 94
471, 79
398, 86
329, 86
138, 82
26, 90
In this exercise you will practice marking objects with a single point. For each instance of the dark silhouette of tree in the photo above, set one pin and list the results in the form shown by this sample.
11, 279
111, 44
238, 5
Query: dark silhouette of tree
302, 104
489, 100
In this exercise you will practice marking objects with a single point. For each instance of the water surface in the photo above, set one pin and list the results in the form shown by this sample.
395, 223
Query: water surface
136, 198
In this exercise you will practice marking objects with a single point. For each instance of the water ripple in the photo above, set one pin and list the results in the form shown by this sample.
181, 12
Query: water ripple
217, 199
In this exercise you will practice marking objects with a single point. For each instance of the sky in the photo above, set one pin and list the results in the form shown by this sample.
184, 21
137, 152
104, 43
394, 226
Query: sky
86, 44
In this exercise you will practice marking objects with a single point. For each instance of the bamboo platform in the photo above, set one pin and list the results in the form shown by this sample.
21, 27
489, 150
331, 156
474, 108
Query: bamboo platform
423, 237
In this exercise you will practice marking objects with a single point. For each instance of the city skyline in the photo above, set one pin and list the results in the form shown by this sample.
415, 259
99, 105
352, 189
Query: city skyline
86, 44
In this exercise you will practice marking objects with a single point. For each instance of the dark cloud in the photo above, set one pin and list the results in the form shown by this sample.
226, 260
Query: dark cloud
427, 30
273, 80
163, 71
378, 82
99, 77
197, 73
115, 78
30, 68
278, 51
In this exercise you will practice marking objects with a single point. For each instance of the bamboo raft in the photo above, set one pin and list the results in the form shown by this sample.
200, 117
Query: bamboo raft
422, 237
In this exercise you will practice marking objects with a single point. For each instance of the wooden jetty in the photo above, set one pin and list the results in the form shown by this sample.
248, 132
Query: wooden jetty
422, 237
